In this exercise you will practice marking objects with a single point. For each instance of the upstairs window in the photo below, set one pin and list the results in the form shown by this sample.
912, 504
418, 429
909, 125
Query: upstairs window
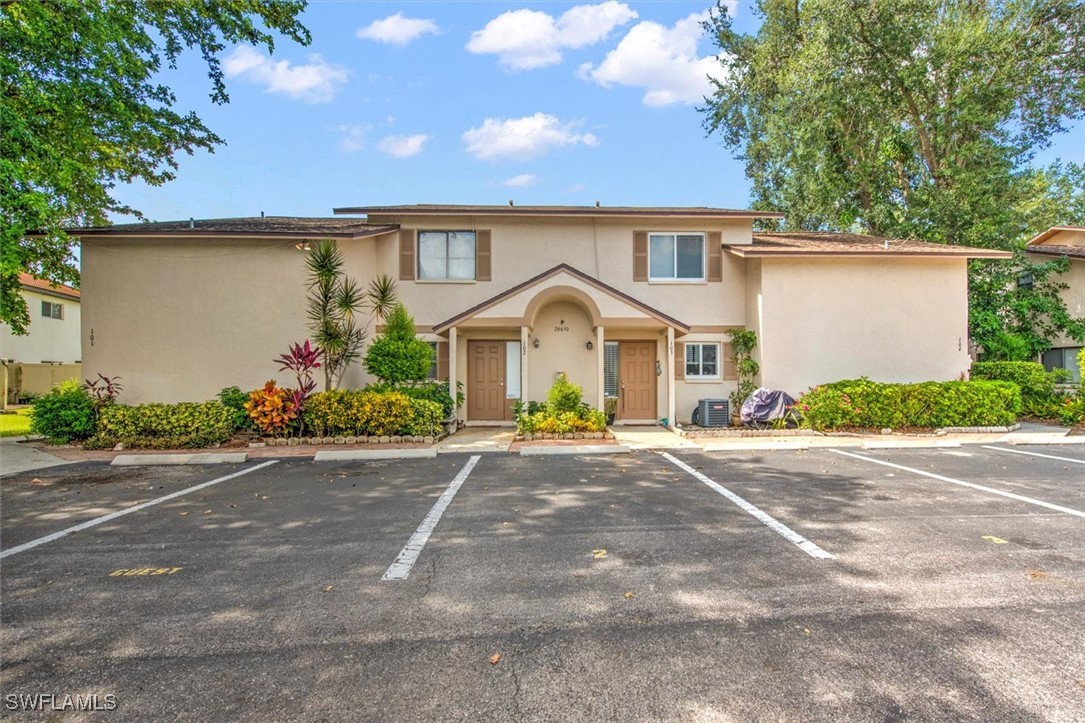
446, 255
676, 257
50, 310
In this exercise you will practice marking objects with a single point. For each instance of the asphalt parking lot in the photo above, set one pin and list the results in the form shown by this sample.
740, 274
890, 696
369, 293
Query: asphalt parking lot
820, 585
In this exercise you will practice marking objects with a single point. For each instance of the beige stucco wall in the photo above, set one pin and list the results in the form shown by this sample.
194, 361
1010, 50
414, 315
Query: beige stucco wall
49, 340
181, 319
894, 320
563, 351
1074, 295
603, 248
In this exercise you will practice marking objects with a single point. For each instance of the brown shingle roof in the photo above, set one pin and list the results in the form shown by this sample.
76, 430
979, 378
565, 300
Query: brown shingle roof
262, 226
439, 209
29, 282
827, 243
1077, 252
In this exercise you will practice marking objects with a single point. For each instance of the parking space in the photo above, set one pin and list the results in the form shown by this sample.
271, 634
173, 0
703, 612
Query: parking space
623, 586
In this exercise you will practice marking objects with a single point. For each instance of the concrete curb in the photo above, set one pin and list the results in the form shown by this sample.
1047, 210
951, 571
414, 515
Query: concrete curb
574, 449
473, 450
137, 460
1017, 439
912, 444
363, 455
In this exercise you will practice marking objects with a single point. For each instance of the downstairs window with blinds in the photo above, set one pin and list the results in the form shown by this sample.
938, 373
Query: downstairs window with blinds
610, 369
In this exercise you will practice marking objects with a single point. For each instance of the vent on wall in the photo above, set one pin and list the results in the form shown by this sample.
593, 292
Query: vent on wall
713, 413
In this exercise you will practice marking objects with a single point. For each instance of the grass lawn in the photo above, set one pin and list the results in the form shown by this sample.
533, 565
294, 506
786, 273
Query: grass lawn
15, 425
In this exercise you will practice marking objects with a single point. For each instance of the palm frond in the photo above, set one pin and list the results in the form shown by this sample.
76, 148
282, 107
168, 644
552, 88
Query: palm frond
382, 295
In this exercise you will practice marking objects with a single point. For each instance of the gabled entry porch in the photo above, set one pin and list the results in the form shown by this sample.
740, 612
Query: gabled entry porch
513, 346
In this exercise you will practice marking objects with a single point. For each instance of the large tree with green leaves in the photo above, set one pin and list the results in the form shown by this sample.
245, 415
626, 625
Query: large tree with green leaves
913, 118
83, 109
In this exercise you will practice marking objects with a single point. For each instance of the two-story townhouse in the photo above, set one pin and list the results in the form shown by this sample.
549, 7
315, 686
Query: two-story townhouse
637, 303
1068, 241
50, 351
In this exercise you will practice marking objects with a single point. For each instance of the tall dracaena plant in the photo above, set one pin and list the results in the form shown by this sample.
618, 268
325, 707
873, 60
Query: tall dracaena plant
335, 304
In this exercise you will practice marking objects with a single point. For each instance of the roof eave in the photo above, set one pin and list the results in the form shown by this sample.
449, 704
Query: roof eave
790, 254
527, 212
188, 233
59, 293
1043, 236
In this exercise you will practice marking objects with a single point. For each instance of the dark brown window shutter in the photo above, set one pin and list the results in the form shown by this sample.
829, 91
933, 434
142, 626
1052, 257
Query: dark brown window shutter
730, 369
442, 360
482, 256
408, 241
640, 256
715, 256
679, 360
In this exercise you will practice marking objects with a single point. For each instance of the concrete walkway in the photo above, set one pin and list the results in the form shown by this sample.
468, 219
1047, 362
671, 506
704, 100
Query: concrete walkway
16, 457
475, 440
648, 437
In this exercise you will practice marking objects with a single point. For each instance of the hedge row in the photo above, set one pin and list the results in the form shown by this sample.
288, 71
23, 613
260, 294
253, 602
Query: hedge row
163, 426
354, 413
863, 404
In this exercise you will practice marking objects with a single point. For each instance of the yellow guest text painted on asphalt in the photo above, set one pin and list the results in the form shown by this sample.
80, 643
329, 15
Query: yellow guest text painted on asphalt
137, 571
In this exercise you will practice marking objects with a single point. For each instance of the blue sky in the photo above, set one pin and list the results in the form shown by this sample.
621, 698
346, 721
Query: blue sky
464, 102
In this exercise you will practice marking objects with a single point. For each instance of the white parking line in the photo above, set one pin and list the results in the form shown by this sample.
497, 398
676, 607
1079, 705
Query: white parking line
932, 475
401, 568
127, 511
788, 534
1035, 454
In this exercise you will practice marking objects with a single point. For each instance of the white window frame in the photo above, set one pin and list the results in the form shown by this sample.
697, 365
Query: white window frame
676, 279
446, 279
52, 305
700, 363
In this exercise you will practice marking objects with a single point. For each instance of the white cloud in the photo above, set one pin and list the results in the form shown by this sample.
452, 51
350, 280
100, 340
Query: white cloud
526, 39
397, 30
662, 60
524, 179
352, 137
403, 146
523, 138
575, 188
314, 82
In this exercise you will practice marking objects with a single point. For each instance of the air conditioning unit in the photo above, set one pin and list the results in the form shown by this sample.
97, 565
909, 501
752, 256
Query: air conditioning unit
714, 412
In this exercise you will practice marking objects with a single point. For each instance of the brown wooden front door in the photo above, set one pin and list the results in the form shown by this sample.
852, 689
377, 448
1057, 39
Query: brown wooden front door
486, 381
636, 380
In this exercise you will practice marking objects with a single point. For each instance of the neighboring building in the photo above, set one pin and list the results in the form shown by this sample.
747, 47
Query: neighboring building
632, 302
1066, 241
50, 352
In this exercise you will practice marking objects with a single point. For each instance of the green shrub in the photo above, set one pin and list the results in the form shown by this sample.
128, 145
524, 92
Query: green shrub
564, 396
355, 413
397, 355
430, 391
1030, 376
164, 426
234, 399
863, 404
424, 420
564, 412
1072, 412
66, 413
